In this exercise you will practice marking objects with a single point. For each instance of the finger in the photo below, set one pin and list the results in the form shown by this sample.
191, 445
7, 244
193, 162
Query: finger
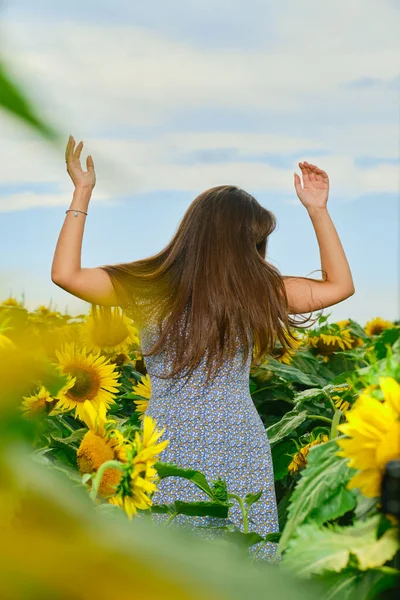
322, 173
318, 171
310, 170
78, 151
70, 148
89, 163
304, 171
313, 167
297, 182
67, 149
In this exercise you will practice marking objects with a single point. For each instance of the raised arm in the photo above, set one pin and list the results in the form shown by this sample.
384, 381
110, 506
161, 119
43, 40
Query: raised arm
307, 295
92, 285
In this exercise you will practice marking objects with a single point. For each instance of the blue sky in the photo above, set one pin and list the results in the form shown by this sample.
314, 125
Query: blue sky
171, 98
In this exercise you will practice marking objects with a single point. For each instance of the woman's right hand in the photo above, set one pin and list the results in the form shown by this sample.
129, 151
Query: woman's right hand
315, 192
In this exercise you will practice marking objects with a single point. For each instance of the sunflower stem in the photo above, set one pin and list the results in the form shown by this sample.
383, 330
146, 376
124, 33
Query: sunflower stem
327, 419
65, 424
335, 423
244, 511
109, 464
168, 521
330, 400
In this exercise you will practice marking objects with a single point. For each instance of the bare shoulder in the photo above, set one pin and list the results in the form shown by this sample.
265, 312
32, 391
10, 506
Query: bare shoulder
308, 295
90, 284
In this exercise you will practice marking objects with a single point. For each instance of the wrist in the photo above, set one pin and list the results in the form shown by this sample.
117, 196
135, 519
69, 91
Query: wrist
81, 198
83, 190
316, 209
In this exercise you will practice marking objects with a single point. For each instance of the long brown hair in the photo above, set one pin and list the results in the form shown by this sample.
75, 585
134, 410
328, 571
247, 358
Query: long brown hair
214, 267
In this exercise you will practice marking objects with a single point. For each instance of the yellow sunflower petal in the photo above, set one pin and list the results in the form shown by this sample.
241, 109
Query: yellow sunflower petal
391, 392
369, 483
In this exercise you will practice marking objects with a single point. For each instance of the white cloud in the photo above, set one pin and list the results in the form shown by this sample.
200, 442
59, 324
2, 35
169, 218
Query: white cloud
143, 166
100, 77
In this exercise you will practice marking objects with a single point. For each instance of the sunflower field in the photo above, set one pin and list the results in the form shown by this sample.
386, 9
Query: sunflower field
73, 397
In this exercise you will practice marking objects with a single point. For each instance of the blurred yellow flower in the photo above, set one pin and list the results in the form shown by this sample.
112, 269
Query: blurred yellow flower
343, 324
5, 341
12, 302
373, 430
99, 445
140, 478
95, 379
41, 401
45, 311
141, 407
377, 325
142, 388
110, 331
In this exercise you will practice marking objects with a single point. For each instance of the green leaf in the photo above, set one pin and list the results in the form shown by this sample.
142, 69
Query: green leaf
170, 470
308, 395
201, 509
282, 453
351, 584
252, 498
314, 496
252, 386
13, 99
316, 550
283, 506
339, 503
74, 438
387, 338
193, 509
286, 425
291, 374
245, 540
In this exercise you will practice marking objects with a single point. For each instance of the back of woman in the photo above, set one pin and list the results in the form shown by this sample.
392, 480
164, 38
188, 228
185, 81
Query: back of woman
208, 306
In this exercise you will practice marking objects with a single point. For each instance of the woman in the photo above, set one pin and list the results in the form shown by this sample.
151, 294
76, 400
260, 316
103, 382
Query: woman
206, 306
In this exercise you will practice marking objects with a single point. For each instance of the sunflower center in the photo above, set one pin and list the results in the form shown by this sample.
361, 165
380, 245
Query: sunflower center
328, 347
86, 386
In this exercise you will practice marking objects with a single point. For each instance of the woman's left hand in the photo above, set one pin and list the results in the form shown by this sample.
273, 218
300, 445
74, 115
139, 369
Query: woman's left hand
80, 178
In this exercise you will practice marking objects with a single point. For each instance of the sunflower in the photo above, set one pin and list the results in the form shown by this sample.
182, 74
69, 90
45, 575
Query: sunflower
341, 404
11, 302
42, 401
5, 341
141, 407
110, 332
95, 379
140, 478
286, 356
142, 388
373, 436
327, 343
343, 324
300, 458
138, 362
356, 341
45, 311
377, 325
102, 442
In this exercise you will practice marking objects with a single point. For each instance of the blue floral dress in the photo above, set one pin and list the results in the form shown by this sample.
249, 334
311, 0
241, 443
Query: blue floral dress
216, 429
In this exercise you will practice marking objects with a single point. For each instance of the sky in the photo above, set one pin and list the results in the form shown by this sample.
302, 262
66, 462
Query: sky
171, 98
